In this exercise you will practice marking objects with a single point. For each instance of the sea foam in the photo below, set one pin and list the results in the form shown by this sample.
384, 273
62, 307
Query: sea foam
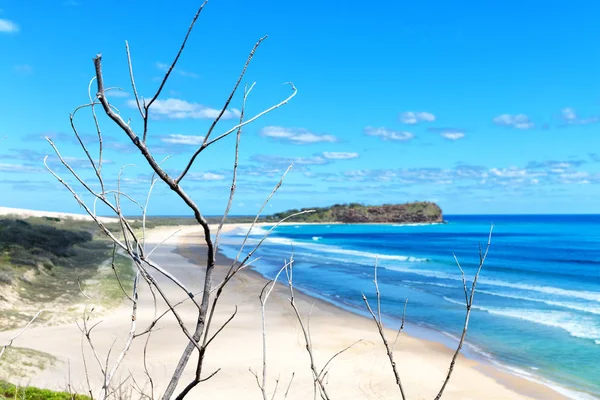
338, 250
588, 308
576, 326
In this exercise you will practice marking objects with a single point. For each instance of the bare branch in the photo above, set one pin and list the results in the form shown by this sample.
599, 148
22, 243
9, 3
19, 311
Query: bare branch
337, 354
235, 167
317, 378
97, 170
12, 339
401, 325
133, 87
378, 322
264, 297
216, 120
228, 132
157, 319
259, 213
168, 73
221, 328
131, 335
210, 376
289, 386
468, 304
464, 280
237, 84
163, 242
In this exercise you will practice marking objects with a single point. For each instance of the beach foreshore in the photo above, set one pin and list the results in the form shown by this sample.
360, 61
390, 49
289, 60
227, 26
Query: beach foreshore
362, 372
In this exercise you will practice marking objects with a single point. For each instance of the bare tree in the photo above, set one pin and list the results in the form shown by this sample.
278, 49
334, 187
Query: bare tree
133, 244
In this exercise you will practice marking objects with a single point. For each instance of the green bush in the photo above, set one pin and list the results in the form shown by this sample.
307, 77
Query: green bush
39, 239
10, 391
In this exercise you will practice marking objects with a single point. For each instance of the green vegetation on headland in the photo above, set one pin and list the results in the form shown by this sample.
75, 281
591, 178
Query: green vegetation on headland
354, 213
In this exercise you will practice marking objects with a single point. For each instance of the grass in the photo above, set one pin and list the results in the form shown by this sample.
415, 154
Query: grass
19, 362
9, 391
107, 286
40, 262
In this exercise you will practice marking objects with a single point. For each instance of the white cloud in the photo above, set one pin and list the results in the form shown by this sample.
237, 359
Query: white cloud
206, 176
452, 135
269, 165
296, 135
519, 121
511, 172
117, 93
371, 175
414, 117
4, 167
388, 134
570, 117
7, 26
316, 160
180, 109
165, 67
183, 139
568, 114
335, 155
356, 174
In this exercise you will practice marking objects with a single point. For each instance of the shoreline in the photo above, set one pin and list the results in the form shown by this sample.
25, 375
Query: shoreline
493, 366
361, 372
502, 374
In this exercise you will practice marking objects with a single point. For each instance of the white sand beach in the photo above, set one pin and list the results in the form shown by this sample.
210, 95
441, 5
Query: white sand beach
363, 372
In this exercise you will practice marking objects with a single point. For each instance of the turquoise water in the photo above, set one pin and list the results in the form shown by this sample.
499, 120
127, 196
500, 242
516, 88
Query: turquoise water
537, 304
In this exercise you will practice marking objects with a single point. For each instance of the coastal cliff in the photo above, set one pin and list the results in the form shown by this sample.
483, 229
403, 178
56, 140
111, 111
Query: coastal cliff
354, 213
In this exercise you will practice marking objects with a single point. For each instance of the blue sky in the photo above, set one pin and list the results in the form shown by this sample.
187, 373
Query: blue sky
482, 107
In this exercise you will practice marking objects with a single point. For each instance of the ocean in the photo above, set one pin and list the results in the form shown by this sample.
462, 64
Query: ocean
537, 304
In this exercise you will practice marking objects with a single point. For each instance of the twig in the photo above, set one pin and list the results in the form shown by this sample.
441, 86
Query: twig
216, 120
289, 386
228, 132
263, 298
133, 87
130, 337
401, 325
12, 339
235, 167
469, 304
171, 67
379, 323
318, 382
112, 265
